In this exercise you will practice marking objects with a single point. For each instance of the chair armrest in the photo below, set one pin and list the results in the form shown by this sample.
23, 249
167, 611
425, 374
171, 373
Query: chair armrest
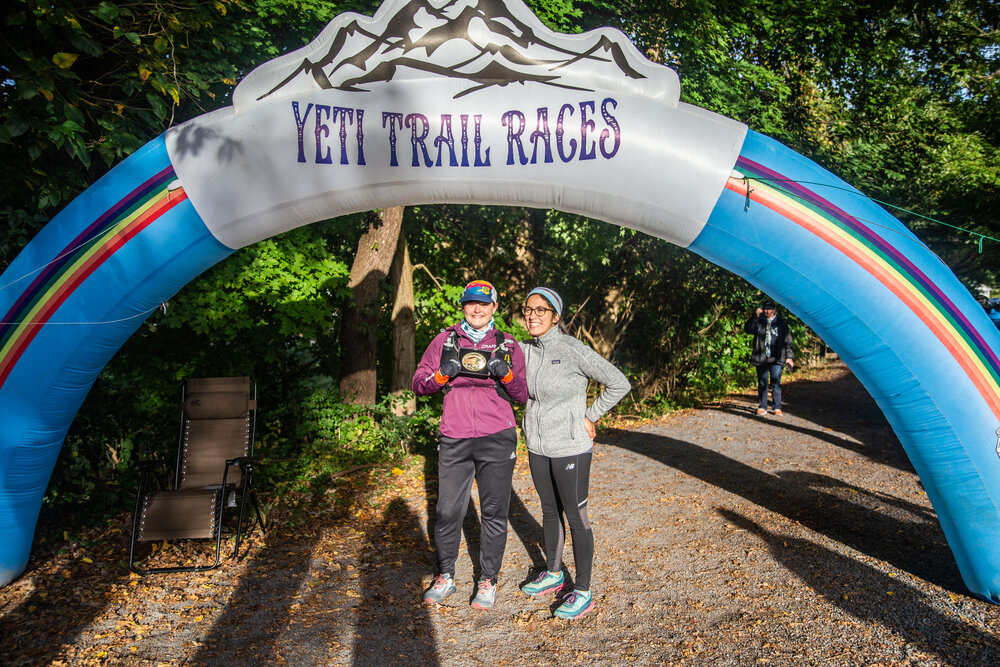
146, 469
246, 469
242, 461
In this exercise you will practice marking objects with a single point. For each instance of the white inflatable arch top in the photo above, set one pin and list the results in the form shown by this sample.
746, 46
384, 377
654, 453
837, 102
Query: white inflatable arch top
475, 101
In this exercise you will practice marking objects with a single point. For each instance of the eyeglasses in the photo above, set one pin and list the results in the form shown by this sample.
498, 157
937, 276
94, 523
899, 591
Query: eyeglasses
528, 310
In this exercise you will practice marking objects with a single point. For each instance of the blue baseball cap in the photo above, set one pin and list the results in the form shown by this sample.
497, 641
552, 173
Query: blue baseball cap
479, 290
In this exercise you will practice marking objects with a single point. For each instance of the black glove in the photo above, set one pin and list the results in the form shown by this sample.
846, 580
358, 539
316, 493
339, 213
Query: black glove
449, 359
498, 367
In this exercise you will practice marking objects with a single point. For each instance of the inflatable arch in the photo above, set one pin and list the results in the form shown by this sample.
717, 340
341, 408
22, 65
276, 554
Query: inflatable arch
434, 101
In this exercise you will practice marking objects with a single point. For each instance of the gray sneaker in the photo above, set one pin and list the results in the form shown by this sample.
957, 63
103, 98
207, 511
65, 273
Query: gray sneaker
486, 595
443, 586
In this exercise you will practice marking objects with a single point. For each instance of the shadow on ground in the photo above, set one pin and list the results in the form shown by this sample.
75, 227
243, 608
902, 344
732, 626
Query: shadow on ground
910, 539
840, 411
529, 531
291, 565
874, 597
389, 627
261, 606
62, 604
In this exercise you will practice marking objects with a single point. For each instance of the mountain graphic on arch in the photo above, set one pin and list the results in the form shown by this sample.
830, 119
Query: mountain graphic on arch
485, 43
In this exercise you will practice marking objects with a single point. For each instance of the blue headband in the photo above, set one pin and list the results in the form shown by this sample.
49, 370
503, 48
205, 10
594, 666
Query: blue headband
550, 296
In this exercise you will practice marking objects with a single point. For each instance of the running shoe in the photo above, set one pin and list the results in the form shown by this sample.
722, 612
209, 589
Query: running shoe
545, 582
575, 605
486, 595
443, 586
761, 411
778, 413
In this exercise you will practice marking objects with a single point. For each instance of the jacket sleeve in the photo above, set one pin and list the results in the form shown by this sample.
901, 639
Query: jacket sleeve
597, 368
424, 383
789, 351
518, 386
751, 326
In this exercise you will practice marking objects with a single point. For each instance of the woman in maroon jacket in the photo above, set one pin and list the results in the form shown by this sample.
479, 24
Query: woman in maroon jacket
480, 370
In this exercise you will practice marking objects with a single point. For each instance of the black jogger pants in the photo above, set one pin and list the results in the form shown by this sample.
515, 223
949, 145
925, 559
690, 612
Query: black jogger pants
489, 460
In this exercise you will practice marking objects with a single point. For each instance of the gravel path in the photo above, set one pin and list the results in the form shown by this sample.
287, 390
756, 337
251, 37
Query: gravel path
722, 538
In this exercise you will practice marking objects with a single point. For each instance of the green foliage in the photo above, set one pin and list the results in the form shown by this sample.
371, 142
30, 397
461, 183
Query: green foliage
84, 84
898, 99
438, 308
70, 114
559, 15
718, 358
435, 310
94, 473
335, 436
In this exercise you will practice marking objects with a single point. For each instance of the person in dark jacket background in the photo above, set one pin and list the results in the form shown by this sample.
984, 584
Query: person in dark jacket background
772, 350
480, 370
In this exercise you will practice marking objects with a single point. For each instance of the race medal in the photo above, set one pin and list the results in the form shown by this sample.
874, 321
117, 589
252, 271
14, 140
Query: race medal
473, 363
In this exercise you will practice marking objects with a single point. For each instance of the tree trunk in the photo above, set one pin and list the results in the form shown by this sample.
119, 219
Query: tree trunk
524, 276
372, 263
614, 318
404, 361
526, 252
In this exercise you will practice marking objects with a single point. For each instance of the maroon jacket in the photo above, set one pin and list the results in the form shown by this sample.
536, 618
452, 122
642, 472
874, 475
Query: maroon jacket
472, 408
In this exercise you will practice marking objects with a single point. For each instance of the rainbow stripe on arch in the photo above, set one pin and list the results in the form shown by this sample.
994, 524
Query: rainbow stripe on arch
78, 259
885, 263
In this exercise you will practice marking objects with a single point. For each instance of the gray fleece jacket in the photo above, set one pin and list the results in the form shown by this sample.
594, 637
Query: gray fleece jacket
559, 368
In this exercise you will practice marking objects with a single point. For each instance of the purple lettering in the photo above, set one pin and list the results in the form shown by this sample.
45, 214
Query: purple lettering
322, 130
514, 136
393, 119
561, 131
541, 133
300, 122
445, 138
419, 138
478, 140
346, 116
613, 124
465, 139
587, 125
361, 136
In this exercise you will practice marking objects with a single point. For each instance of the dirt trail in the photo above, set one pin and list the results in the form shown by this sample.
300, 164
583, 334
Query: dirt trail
722, 539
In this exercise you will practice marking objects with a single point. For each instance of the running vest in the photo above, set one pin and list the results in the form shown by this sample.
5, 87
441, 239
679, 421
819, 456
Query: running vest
504, 350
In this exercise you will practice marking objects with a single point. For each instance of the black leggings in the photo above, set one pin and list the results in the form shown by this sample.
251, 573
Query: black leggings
490, 461
563, 486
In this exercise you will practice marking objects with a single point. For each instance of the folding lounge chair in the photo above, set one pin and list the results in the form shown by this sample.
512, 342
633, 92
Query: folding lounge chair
214, 466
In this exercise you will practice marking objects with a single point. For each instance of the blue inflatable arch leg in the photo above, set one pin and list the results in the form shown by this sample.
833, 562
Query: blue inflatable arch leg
70, 300
896, 315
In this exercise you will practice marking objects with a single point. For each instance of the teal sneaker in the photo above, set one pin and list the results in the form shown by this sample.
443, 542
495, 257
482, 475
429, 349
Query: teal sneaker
443, 586
575, 605
545, 582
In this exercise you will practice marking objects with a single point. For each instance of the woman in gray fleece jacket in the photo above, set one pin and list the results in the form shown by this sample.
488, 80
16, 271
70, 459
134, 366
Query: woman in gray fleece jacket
559, 428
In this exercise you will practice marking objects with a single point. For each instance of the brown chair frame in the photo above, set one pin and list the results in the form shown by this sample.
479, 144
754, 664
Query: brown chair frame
213, 441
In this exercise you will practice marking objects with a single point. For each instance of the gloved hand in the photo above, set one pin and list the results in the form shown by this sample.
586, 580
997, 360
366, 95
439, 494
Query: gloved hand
498, 367
449, 366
